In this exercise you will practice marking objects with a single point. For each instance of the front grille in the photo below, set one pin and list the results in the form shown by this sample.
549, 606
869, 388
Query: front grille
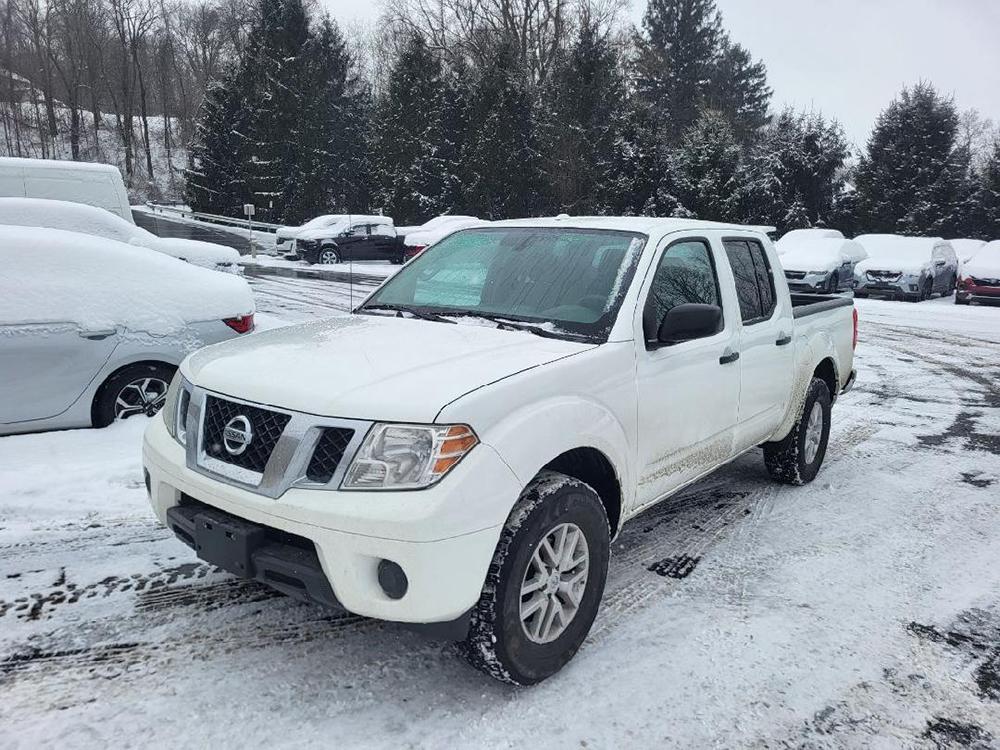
795, 274
329, 450
884, 275
265, 425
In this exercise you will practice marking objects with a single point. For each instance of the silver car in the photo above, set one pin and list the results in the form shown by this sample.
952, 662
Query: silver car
91, 330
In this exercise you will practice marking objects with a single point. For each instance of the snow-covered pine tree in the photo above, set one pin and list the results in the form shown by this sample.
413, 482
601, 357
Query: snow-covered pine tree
909, 179
500, 160
215, 179
413, 165
986, 217
793, 172
738, 89
332, 170
582, 124
676, 55
706, 167
276, 56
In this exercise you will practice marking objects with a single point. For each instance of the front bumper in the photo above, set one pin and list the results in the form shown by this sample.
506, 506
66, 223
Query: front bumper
971, 293
902, 287
442, 537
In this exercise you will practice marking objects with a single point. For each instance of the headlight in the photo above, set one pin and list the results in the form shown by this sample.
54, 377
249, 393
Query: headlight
175, 408
407, 456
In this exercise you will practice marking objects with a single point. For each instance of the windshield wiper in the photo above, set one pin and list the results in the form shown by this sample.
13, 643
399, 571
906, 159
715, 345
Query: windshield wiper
514, 325
416, 312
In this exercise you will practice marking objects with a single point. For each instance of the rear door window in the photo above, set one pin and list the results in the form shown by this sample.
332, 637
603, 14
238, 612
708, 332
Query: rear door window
754, 281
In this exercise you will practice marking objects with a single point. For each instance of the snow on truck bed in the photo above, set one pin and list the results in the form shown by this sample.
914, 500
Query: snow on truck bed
54, 276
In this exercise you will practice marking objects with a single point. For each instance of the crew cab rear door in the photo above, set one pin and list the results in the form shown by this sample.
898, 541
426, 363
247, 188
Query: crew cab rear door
767, 351
688, 392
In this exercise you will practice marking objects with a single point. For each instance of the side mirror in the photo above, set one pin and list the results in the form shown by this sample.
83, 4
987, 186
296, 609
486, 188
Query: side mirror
689, 321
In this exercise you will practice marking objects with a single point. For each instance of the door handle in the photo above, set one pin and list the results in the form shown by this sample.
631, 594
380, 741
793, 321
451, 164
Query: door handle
783, 341
98, 335
728, 357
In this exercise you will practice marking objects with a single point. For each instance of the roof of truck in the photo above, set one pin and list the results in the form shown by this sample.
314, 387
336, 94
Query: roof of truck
645, 224
57, 164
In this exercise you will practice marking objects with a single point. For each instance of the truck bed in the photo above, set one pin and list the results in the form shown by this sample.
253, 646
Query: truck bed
811, 304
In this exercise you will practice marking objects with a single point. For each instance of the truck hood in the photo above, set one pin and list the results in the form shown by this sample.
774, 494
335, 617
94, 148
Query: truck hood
369, 366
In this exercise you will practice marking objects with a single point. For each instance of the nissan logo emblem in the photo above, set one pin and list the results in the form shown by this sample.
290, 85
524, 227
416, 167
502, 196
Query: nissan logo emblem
237, 435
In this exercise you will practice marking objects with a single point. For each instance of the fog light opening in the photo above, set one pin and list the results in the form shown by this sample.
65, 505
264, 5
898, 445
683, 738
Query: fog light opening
392, 579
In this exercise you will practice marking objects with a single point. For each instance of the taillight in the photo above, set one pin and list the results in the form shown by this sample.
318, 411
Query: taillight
241, 323
413, 251
854, 339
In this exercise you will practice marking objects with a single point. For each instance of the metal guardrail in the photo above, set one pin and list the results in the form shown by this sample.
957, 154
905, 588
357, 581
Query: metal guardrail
243, 223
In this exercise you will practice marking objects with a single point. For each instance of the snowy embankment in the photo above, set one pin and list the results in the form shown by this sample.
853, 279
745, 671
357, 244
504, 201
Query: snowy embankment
862, 610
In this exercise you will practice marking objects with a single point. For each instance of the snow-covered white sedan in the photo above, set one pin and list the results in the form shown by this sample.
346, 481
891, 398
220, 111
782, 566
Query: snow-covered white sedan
980, 277
820, 264
81, 346
911, 268
78, 217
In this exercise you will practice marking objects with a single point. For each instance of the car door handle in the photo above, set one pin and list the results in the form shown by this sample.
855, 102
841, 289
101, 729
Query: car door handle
98, 335
783, 341
728, 357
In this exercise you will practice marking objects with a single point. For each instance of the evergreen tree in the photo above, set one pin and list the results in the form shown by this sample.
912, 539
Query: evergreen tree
330, 138
794, 171
738, 89
414, 172
500, 159
986, 212
583, 124
677, 53
912, 178
215, 176
706, 168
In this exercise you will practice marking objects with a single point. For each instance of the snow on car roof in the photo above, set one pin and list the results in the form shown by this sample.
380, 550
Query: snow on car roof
821, 248
51, 276
898, 245
88, 166
74, 217
644, 224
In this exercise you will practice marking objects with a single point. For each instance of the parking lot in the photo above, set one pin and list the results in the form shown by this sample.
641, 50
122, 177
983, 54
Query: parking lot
861, 609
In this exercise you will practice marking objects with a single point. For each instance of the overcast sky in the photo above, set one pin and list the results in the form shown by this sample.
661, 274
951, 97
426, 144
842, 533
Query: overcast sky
848, 58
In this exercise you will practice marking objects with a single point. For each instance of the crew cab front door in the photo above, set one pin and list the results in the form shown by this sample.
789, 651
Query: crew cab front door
688, 393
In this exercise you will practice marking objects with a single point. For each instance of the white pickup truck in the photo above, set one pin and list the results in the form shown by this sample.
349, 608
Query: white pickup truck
458, 453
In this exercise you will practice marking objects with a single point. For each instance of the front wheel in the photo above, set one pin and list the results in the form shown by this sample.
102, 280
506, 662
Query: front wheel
545, 583
328, 256
797, 458
834, 286
136, 389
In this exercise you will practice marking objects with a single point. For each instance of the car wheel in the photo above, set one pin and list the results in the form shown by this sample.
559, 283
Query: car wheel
136, 389
398, 260
328, 256
798, 458
545, 583
926, 290
834, 283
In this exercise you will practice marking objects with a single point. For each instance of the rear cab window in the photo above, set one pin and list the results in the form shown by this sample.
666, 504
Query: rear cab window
754, 279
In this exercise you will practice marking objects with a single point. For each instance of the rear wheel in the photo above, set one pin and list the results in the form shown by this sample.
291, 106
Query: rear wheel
545, 583
136, 389
798, 458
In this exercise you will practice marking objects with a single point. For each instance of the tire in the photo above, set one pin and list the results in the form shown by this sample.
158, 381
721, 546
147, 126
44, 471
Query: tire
142, 385
861, 295
786, 460
834, 283
398, 260
498, 642
328, 256
961, 301
926, 290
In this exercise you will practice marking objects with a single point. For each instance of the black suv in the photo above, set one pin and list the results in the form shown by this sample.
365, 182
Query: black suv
363, 240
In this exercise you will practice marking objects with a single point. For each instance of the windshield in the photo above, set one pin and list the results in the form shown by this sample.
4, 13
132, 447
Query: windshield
562, 281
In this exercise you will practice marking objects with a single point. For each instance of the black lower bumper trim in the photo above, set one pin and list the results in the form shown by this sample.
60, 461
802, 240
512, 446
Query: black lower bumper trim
283, 561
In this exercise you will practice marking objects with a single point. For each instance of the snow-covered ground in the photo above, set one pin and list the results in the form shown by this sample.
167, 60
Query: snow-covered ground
860, 611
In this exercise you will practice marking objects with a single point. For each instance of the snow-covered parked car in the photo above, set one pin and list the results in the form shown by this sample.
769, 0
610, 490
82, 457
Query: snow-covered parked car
980, 277
821, 264
77, 217
459, 452
353, 238
288, 235
911, 268
415, 241
796, 236
92, 331
966, 249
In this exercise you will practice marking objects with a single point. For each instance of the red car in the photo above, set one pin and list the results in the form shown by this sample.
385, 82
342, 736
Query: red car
979, 280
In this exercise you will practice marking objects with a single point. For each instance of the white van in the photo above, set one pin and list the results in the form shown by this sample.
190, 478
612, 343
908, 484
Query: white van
98, 185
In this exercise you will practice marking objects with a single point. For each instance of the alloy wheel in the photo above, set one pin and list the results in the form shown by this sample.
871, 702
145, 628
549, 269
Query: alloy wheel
814, 432
141, 396
554, 583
